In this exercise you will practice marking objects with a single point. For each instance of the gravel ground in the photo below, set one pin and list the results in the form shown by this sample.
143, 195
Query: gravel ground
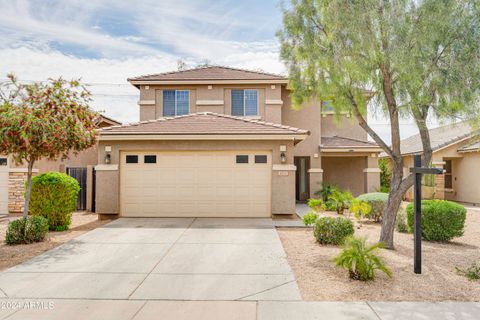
319, 279
13, 255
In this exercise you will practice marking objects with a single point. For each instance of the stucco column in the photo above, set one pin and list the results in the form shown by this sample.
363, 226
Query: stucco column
439, 191
371, 174
316, 178
107, 189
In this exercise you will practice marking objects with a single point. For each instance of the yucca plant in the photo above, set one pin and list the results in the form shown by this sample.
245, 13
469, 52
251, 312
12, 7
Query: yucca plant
361, 260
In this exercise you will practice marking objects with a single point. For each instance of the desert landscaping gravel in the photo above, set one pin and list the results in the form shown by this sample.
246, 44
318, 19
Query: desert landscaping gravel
319, 279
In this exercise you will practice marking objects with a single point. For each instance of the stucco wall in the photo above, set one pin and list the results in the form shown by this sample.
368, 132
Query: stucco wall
211, 98
345, 172
307, 118
283, 185
344, 127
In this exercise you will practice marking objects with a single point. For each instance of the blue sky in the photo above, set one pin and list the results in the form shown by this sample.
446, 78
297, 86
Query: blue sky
105, 41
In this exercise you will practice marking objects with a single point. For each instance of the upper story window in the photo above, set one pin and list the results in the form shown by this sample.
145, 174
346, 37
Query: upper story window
245, 102
176, 102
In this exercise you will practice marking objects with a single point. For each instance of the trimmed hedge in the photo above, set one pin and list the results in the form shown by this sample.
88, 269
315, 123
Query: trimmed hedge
26, 230
376, 200
441, 220
329, 230
54, 196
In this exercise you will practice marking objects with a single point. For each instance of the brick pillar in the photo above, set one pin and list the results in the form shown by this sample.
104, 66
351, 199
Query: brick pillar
16, 188
439, 191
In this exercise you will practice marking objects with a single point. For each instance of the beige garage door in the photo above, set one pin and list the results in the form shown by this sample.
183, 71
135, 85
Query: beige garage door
195, 184
3, 185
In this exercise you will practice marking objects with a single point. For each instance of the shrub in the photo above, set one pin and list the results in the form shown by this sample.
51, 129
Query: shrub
26, 230
340, 200
316, 205
385, 175
54, 196
441, 220
471, 273
325, 191
401, 223
310, 218
360, 209
328, 230
378, 201
361, 260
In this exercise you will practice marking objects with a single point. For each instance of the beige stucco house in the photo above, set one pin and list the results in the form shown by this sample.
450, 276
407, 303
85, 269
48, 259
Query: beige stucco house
225, 142
80, 166
457, 151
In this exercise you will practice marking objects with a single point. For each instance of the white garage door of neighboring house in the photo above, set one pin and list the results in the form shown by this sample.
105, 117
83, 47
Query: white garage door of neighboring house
195, 184
3, 185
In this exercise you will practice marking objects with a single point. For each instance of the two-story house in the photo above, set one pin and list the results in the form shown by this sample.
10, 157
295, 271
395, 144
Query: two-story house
225, 142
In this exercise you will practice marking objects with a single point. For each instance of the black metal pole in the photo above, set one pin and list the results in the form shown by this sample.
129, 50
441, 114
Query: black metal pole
417, 222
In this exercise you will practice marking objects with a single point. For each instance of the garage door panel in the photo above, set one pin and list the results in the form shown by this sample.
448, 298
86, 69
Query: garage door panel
203, 184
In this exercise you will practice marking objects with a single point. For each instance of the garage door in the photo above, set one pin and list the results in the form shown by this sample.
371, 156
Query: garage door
3, 185
195, 184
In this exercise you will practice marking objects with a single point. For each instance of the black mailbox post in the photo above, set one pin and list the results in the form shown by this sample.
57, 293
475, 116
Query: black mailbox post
418, 171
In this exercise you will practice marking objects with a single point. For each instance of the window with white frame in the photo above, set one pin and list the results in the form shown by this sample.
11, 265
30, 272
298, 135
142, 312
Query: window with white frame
176, 102
245, 102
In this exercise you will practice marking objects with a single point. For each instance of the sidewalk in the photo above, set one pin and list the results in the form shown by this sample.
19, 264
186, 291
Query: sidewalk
234, 310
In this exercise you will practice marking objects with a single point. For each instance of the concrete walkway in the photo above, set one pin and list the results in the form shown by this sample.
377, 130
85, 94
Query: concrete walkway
54, 309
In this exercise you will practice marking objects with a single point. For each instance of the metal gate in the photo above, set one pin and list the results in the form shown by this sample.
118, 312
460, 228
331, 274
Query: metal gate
80, 174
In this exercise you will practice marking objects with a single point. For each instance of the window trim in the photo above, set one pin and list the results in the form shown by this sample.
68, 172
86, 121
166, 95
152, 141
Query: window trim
175, 101
244, 103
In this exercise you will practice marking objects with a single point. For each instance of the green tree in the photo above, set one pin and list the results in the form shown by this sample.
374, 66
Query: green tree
44, 120
404, 58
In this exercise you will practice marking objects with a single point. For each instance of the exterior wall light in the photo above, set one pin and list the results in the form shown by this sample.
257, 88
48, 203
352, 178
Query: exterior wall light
283, 157
108, 155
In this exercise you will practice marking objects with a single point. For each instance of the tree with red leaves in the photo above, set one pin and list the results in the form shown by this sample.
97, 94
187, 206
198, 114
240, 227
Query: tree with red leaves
44, 120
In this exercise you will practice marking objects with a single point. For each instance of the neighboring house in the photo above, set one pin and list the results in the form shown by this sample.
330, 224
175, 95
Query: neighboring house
13, 176
456, 150
225, 142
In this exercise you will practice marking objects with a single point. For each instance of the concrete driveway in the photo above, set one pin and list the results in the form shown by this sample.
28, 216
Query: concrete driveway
161, 259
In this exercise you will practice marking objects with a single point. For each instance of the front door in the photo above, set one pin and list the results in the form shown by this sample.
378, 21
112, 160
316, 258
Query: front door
302, 182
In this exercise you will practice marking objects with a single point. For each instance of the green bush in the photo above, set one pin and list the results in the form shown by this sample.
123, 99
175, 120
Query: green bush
340, 201
328, 230
325, 191
401, 222
310, 218
361, 260
441, 220
54, 196
26, 230
376, 200
316, 205
360, 209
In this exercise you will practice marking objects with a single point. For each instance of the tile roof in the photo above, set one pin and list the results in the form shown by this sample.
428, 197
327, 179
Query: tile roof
343, 142
205, 123
439, 137
474, 146
210, 73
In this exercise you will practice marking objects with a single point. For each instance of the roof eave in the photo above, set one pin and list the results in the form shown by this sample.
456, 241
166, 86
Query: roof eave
137, 82
155, 136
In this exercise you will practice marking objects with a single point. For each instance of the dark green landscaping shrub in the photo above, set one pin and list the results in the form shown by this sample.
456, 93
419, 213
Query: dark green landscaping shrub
378, 201
441, 220
328, 230
54, 196
361, 260
26, 230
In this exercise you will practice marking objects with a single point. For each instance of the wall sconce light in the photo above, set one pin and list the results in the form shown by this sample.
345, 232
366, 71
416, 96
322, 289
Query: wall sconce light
108, 155
283, 157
